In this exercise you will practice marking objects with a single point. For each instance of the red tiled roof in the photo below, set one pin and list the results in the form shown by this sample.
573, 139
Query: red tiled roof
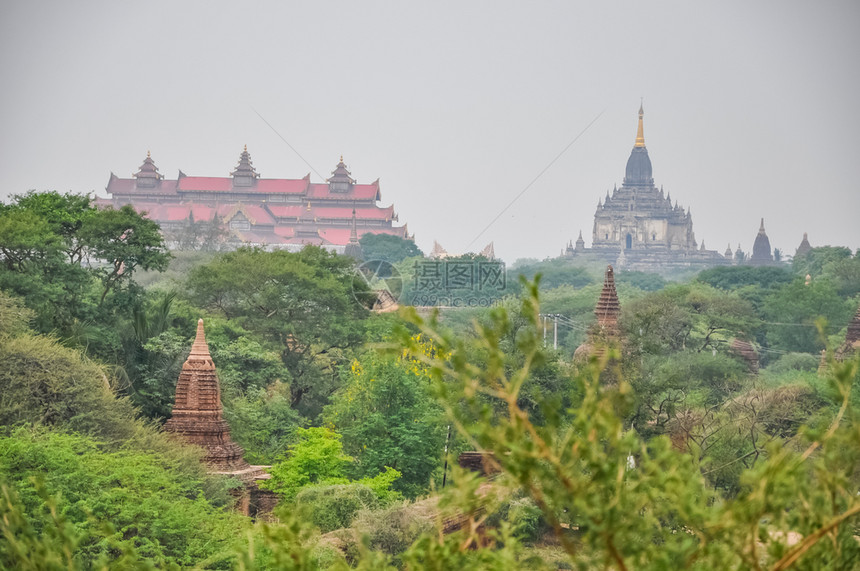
358, 192
118, 185
360, 213
287, 211
207, 183
285, 231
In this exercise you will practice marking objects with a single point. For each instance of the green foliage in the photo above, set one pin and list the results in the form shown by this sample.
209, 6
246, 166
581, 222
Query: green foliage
556, 273
316, 458
15, 317
794, 309
388, 418
816, 261
262, 422
334, 506
392, 530
157, 509
794, 362
43, 382
302, 303
734, 277
680, 317
388, 248
640, 280
640, 504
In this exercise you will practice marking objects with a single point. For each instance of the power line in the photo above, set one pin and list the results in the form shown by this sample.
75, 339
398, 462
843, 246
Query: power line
534, 180
292, 148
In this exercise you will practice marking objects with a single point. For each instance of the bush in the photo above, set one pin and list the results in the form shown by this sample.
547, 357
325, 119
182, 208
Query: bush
159, 510
394, 529
795, 362
334, 507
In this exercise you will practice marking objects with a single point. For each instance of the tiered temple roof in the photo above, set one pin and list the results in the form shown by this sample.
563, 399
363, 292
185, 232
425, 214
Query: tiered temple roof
259, 211
638, 224
761, 253
197, 412
804, 246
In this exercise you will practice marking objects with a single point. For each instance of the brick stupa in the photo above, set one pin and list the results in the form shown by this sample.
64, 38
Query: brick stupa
605, 330
852, 339
197, 412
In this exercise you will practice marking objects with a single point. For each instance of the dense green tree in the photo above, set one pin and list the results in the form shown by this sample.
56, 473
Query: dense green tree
316, 457
816, 260
555, 273
793, 309
388, 418
158, 509
388, 248
302, 303
678, 317
64, 256
734, 277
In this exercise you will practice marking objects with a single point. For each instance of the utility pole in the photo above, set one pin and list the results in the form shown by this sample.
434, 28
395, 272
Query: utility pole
555, 332
544, 330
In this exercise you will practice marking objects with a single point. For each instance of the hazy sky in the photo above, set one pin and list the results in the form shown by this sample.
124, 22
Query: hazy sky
751, 108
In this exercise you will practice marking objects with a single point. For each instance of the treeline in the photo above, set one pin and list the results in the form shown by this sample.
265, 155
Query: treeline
661, 468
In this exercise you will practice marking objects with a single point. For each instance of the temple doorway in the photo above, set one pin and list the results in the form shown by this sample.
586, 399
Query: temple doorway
629, 241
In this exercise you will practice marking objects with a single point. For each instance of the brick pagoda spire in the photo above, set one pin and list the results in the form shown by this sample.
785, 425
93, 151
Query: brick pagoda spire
852, 339
608, 308
605, 330
197, 411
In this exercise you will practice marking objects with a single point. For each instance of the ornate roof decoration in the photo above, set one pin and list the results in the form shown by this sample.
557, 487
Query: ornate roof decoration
244, 174
147, 175
197, 412
340, 181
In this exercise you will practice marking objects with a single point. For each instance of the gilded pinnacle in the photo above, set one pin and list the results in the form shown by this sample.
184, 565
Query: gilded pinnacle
640, 133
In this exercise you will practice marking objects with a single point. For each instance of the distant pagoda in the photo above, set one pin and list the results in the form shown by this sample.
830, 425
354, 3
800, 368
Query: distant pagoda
761, 254
638, 224
197, 414
605, 330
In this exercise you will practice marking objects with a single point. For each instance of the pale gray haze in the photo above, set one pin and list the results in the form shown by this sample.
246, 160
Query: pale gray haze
752, 109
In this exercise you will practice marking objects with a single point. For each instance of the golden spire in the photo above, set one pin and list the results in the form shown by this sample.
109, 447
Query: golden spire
246, 148
640, 133
147, 154
341, 158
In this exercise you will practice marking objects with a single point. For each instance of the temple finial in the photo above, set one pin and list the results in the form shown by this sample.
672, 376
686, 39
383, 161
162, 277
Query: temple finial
148, 155
200, 349
640, 133
246, 148
341, 158
761, 228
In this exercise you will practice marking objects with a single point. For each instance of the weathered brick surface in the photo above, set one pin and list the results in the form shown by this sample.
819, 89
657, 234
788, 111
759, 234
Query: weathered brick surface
197, 413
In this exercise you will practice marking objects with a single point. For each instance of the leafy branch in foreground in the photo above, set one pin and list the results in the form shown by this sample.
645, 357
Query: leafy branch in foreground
616, 501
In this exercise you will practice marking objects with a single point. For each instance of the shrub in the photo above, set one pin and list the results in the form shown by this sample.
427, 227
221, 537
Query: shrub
394, 529
334, 507
795, 362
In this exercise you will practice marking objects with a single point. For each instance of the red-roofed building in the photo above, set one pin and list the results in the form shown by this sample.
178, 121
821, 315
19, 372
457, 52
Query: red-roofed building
268, 212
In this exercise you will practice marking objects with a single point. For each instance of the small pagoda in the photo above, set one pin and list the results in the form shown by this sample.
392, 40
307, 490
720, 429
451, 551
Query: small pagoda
197, 413
852, 339
605, 330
